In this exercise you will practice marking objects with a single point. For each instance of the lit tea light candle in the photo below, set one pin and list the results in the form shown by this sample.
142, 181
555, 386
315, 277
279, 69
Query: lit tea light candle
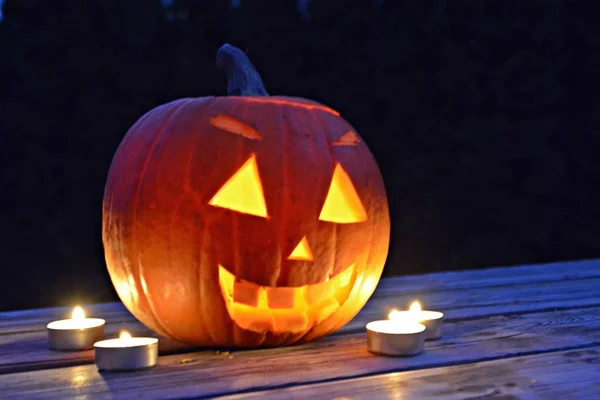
76, 333
126, 353
433, 320
396, 336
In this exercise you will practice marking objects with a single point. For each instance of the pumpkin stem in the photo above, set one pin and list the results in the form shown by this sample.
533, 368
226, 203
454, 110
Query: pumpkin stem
242, 77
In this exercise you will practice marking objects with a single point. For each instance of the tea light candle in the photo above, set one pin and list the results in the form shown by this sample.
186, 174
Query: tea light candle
433, 320
396, 336
76, 333
126, 353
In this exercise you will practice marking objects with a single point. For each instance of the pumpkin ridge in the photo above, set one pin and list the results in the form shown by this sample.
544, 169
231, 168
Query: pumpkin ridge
200, 254
149, 155
285, 135
108, 199
234, 216
360, 280
334, 236
122, 265
332, 158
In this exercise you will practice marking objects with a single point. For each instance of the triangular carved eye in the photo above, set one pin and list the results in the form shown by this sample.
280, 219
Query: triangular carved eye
342, 204
243, 192
302, 251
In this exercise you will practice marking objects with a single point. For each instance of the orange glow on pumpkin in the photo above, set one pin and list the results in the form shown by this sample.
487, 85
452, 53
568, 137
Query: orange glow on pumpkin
243, 192
342, 204
183, 247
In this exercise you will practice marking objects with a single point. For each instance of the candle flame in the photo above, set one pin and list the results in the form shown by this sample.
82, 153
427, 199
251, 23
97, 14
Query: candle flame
415, 307
78, 313
124, 335
395, 315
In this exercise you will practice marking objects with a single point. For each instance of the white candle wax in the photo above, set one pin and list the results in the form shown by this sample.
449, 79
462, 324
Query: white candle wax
76, 333
395, 327
74, 324
126, 353
130, 342
395, 337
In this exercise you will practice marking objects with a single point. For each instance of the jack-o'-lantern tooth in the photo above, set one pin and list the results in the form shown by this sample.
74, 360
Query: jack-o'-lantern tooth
247, 293
280, 297
300, 298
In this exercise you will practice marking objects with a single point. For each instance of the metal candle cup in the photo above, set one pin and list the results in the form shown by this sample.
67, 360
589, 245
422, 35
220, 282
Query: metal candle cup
76, 333
433, 320
126, 353
395, 337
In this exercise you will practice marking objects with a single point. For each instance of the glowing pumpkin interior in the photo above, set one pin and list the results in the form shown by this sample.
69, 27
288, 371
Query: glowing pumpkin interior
302, 251
243, 192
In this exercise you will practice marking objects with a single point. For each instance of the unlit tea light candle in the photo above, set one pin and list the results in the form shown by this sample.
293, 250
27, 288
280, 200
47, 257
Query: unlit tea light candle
396, 336
76, 333
126, 353
433, 320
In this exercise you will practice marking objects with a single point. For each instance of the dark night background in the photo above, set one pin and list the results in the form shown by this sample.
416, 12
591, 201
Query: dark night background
483, 117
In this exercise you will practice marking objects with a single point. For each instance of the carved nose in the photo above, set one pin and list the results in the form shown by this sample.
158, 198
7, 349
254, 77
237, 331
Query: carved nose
302, 251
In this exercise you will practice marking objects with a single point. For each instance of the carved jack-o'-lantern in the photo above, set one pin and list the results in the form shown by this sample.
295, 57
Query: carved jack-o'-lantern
244, 220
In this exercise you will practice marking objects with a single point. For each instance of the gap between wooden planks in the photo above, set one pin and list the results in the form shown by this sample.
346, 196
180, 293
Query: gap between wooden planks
335, 358
563, 375
28, 350
36, 319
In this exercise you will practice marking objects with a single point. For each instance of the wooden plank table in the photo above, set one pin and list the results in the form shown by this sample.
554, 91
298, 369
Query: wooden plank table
530, 332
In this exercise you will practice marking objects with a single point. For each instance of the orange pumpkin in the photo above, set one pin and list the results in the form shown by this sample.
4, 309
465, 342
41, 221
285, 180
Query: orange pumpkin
245, 220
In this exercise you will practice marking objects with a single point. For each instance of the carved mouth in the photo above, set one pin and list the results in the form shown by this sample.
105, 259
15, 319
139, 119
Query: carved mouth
283, 309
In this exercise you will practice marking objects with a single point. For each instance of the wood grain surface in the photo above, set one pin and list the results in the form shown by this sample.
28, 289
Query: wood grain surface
539, 322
